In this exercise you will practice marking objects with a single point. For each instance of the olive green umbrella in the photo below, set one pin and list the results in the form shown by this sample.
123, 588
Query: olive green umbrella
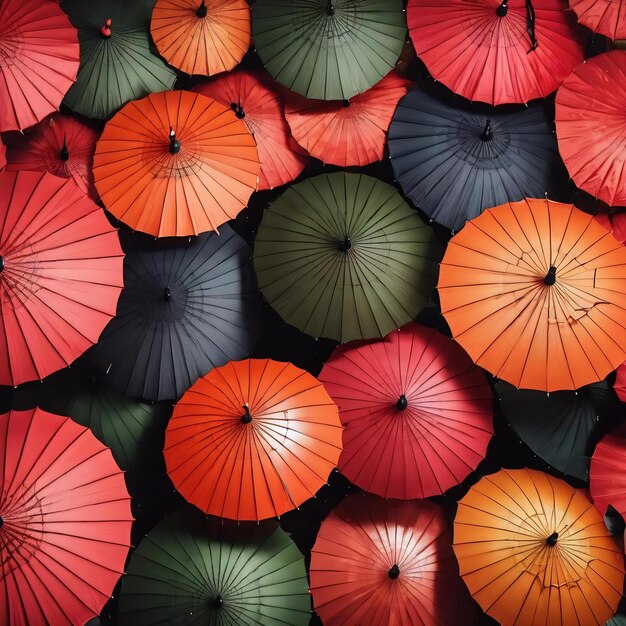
343, 256
196, 570
130, 428
116, 64
329, 49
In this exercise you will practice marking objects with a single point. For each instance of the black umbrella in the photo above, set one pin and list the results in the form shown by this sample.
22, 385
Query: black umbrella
453, 163
188, 305
562, 427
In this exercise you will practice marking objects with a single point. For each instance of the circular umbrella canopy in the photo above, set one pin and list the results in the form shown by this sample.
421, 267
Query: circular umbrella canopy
533, 291
61, 145
347, 132
175, 164
201, 36
563, 427
606, 475
616, 223
620, 382
252, 440
453, 163
386, 562
65, 521
496, 51
328, 49
417, 413
344, 256
534, 551
60, 274
192, 571
187, 306
116, 62
606, 17
592, 98
257, 103
38, 61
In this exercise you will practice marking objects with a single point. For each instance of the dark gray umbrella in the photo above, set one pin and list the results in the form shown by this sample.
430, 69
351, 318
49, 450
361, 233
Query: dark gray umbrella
188, 305
453, 163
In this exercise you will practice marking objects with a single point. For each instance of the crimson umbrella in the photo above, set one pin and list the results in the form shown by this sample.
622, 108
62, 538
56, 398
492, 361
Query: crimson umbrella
61, 145
382, 562
496, 51
616, 223
60, 274
590, 99
620, 382
254, 99
607, 473
417, 413
39, 58
347, 132
65, 521
605, 17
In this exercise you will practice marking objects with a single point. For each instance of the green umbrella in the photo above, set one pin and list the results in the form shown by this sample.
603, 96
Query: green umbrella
329, 49
344, 256
116, 64
125, 425
562, 427
196, 570
618, 620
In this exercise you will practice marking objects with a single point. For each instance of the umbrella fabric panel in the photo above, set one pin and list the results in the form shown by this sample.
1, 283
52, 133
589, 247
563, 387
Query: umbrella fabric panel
605, 17
328, 50
616, 223
606, 475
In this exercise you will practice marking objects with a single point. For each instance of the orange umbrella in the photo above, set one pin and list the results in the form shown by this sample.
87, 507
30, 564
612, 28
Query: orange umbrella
253, 98
201, 36
535, 293
252, 440
533, 551
175, 163
347, 132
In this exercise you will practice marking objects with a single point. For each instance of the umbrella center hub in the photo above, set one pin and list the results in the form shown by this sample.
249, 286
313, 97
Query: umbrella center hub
394, 572
503, 9
105, 30
487, 134
345, 103
550, 278
1, 522
1, 263
202, 11
174, 143
552, 539
64, 155
345, 245
402, 403
238, 109
217, 602
330, 8
246, 418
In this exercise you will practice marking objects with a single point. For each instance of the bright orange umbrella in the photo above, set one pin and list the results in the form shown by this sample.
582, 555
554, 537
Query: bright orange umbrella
175, 163
533, 551
535, 293
347, 132
201, 36
252, 440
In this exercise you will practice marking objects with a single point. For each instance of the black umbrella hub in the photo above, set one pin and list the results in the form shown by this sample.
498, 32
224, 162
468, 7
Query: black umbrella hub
1, 263
330, 8
246, 418
238, 109
64, 155
345, 244
1, 522
503, 9
552, 539
345, 103
402, 403
487, 134
217, 602
202, 10
394, 572
550, 278
174, 143
105, 30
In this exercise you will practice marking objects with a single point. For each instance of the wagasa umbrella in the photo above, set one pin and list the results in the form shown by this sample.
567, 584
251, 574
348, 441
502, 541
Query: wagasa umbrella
347, 132
606, 475
65, 521
616, 223
590, 99
344, 256
61, 145
620, 382
533, 291
493, 51
328, 49
252, 440
417, 413
534, 551
60, 274
187, 306
201, 36
387, 562
194, 570
605, 17
453, 162
175, 164
38, 61
116, 63
253, 98
563, 427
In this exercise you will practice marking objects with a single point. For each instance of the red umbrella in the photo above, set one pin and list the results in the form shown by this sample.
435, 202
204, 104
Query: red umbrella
620, 382
60, 274
39, 59
606, 17
65, 521
254, 99
590, 126
347, 132
496, 51
616, 223
383, 562
607, 473
3, 159
61, 145
417, 413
